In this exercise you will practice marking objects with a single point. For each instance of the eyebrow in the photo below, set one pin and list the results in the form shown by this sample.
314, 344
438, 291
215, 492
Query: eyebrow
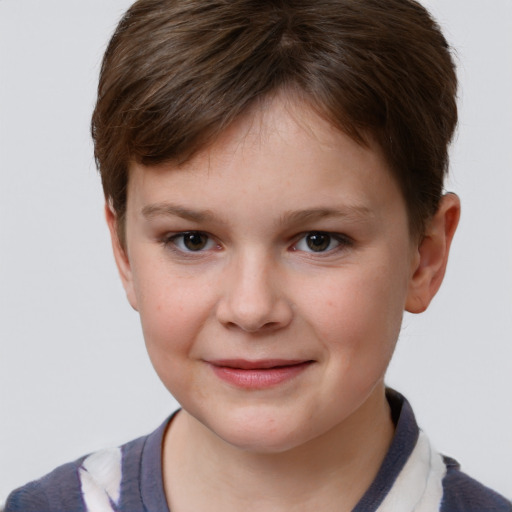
352, 212
170, 210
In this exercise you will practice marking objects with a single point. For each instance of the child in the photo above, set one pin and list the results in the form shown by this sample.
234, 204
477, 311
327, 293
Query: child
273, 174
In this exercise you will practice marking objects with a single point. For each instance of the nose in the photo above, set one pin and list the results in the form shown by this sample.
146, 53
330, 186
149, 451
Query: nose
252, 298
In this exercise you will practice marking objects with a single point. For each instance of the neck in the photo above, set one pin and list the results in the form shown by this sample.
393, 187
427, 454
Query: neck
330, 472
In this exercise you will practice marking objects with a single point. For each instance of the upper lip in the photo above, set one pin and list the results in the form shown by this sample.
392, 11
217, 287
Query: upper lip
261, 364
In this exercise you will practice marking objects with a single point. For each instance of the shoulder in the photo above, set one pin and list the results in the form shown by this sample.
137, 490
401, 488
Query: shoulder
60, 489
415, 472
461, 493
124, 478
91, 480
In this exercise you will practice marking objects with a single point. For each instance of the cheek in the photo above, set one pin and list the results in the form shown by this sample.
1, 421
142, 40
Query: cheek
172, 310
358, 315
169, 315
171, 324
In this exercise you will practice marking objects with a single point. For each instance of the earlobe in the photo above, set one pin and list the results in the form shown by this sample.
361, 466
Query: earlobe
432, 255
120, 255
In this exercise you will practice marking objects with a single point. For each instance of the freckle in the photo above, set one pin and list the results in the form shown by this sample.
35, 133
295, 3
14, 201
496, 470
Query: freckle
271, 425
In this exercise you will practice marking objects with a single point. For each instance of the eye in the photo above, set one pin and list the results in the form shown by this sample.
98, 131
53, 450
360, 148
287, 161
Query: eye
318, 241
191, 241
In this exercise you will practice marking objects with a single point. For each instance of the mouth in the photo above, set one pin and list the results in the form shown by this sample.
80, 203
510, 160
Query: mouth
259, 374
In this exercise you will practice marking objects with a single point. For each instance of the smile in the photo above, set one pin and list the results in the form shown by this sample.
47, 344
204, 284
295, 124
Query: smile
258, 374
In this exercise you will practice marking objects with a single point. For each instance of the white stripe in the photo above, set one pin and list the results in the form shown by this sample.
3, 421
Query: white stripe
100, 478
433, 495
419, 486
95, 498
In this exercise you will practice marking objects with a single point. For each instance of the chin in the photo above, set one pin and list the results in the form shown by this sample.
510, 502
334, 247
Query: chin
260, 433
263, 443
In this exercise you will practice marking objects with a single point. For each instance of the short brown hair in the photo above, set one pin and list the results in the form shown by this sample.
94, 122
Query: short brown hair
177, 72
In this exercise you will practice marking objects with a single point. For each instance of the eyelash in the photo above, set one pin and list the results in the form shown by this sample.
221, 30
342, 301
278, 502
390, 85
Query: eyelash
173, 242
176, 242
342, 242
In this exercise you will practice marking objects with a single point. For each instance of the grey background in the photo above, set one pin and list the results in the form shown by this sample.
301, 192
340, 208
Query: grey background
74, 376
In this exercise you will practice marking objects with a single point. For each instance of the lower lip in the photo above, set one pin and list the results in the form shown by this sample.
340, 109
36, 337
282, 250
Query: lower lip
259, 378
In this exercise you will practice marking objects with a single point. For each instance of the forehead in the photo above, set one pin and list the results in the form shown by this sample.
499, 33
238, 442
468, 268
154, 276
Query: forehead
283, 153
281, 120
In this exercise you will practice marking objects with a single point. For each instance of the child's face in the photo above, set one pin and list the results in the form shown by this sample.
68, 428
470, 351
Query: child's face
285, 244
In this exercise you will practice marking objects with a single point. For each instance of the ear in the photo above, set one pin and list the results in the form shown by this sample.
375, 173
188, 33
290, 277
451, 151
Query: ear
432, 255
120, 256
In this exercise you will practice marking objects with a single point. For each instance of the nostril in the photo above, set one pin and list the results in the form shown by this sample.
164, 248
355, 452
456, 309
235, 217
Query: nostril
253, 328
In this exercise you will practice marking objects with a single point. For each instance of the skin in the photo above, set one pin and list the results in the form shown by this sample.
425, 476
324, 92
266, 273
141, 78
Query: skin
256, 291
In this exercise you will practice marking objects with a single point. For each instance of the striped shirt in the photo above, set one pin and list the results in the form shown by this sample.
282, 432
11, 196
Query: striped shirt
412, 477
